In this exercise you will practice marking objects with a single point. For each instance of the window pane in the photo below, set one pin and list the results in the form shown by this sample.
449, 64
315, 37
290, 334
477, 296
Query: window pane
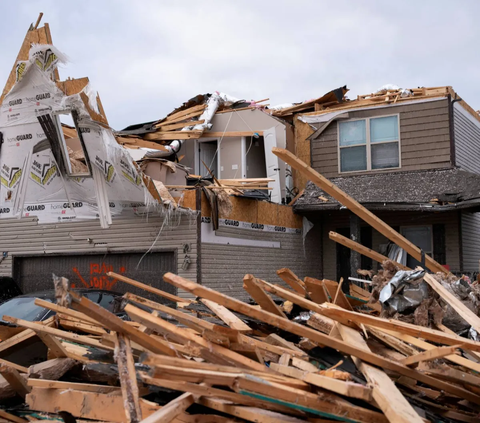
421, 236
352, 133
385, 155
353, 158
384, 129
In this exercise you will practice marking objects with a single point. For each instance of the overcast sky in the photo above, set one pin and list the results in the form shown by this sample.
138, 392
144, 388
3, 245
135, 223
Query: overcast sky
147, 57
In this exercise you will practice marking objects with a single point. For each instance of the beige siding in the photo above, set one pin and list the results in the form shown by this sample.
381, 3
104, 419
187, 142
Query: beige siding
127, 234
224, 266
341, 220
471, 241
424, 137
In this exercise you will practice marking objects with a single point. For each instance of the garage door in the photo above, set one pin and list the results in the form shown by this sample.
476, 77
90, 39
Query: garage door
34, 273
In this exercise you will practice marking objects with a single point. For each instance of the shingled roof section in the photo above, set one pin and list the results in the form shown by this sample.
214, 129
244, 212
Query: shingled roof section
437, 190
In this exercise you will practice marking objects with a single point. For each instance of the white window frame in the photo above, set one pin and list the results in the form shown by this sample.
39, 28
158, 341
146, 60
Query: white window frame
368, 145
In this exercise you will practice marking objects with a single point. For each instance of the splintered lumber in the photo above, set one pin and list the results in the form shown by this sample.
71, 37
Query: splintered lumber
15, 379
430, 355
354, 206
454, 302
322, 323
316, 290
251, 414
386, 394
254, 288
292, 279
87, 405
349, 389
227, 316
116, 324
359, 248
64, 310
336, 294
315, 336
148, 288
346, 317
322, 403
185, 336
173, 409
55, 384
128, 378
12, 418
51, 369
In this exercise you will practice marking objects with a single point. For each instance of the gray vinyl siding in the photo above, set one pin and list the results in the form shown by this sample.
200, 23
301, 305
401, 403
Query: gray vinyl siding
341, 220
424, 138
470, 241
224, 266
127, 234
467, 139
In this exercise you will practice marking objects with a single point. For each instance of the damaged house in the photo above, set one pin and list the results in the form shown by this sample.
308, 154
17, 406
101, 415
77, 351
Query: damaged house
412, 157
75, 201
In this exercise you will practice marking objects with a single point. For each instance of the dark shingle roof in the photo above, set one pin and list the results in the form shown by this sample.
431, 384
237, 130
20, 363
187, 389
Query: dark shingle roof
448, 188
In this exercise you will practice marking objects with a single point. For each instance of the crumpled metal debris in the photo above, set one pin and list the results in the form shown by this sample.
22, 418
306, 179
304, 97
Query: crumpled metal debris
402, 293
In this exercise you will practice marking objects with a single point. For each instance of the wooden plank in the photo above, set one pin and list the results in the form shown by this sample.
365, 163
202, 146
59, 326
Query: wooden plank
15, 379
114, 323
322, 403
344, 347
276, 339
128, 378
148, 288
67, 311
183, 114
345, 317
53, 344
169, 329
17, 339
292, 279
87, 405
227, 316
51, 369
349, 389
316, 290
322, 323
173, 135
359, 248
453, 301
336, 294
430, 355
55, 384
165, 126
137, 142
332, 190
386, 394
21, 369
11, 418
170, 411
255, 290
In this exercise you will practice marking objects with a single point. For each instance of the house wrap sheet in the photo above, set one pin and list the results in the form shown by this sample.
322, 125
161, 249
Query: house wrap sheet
31, 181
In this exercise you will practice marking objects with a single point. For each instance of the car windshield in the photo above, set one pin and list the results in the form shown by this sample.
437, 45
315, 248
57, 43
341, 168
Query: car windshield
22, 308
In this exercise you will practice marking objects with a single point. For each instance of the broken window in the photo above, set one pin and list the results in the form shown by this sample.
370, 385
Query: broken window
72, 146
369, 144
422, 237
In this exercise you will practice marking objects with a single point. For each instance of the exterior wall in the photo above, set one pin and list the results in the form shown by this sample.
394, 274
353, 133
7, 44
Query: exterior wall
127, 234
224, 266
470, 242
424, 139
467, 139
340, 219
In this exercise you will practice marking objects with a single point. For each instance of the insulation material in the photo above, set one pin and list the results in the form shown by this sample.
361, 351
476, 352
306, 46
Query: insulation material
32, 182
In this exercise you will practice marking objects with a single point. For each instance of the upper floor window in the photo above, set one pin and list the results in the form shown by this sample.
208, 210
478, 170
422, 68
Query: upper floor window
369, 144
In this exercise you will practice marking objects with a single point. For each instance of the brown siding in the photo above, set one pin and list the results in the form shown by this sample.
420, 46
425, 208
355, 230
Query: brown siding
341, 219
424, 137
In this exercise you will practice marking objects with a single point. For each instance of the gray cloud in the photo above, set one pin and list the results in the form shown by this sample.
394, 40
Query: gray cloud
146, 57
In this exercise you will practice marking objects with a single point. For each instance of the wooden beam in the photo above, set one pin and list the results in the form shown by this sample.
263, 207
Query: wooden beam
347, 317
337, 294
255, 290
292, 279
183, 114
114, 323
227, 316
83, 404
69, 312
454, 302
173, 135
316, 290
51, 369
359, 248
15, 379
21, 369
55, 384
354, 206
315, 336
170, 411
53, 344
385, 393
165, 126
128, 378
349, 389
148, 288
140, 143
430, 355
12, 418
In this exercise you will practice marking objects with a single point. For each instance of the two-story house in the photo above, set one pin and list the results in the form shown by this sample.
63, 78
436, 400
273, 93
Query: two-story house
412, 157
